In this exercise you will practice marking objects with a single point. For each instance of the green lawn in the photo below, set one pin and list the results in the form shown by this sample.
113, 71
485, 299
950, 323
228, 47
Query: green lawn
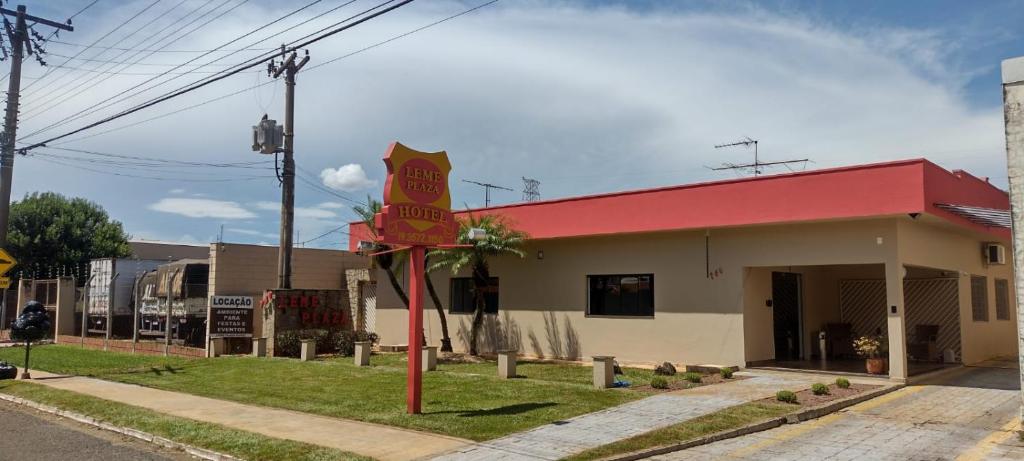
729, 418
464, 400
241, 444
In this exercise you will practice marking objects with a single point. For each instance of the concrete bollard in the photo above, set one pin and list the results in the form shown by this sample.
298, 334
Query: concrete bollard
362, 355
216, 347
308, 350
259, 347
604, 371
429, 358
507, 364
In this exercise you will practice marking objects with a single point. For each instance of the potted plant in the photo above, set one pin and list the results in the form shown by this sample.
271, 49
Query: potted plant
873, 350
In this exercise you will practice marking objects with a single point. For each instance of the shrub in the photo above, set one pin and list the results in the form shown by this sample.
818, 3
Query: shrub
726, 373
692, 377
659, 382
819, 389
786, 396
842, 383
289, 343
345, 341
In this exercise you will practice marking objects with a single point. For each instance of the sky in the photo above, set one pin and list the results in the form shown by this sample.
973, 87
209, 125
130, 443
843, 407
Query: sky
584, 96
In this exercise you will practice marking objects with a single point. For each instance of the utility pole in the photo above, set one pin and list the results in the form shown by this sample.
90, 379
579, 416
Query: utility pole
487, 190
19, 39
284, 255
1013, 118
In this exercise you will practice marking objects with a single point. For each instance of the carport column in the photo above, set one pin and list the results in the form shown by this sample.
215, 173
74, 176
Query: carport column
1013, 114
896, 320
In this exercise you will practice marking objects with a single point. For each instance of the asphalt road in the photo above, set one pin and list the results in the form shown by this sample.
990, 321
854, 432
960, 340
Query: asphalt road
29, 434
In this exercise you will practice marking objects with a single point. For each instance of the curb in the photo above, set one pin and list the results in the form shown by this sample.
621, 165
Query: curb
197, 452
792, 418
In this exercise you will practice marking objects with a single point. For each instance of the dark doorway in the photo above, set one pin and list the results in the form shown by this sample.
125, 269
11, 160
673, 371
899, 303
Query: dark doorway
786, 315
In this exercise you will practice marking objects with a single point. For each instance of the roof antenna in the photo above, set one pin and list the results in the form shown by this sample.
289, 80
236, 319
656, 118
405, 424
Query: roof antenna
758, 164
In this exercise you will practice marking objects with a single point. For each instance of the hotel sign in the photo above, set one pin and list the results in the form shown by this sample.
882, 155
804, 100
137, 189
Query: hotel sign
417, 202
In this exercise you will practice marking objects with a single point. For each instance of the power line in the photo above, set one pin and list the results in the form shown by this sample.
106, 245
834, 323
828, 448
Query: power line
86, 112
161, 160
59, 93
155, 178
325, 234
115, 29
226, 74
157, 50
259, 85
112, 73
179, 37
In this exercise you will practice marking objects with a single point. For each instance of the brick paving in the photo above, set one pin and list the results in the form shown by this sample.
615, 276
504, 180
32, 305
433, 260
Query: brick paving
971, 416
564, 438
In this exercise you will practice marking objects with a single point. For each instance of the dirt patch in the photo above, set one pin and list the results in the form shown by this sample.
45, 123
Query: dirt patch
456, 358
806, 398
677, 383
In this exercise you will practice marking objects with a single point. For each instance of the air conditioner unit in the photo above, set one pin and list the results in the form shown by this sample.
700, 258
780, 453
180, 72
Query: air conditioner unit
995, 253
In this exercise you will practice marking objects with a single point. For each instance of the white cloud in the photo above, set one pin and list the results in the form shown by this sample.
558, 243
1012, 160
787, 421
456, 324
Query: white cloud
177, 191
251, 232
331, 205
348, 178
202, 208
316, 212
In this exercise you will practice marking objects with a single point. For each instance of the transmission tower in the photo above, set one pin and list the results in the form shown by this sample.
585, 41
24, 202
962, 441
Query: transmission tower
531, 190
758, 164
487, 190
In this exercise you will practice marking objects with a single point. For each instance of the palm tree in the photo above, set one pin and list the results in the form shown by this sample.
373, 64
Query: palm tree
392, 262
501, 240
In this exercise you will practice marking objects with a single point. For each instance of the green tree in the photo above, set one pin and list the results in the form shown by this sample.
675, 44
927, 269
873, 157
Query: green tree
501, 240
393, 262
49, 230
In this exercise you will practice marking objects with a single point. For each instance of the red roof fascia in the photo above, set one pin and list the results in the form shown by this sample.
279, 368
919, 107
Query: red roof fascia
959, 187
880, 189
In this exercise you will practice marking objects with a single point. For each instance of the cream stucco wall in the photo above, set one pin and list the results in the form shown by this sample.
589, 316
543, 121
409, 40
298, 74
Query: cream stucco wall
697, 319
937, 245
721, 320
249, 270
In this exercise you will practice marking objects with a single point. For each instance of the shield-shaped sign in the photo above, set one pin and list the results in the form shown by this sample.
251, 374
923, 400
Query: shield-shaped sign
417, 202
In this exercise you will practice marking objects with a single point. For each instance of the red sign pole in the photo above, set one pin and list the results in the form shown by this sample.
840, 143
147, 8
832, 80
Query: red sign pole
415, 375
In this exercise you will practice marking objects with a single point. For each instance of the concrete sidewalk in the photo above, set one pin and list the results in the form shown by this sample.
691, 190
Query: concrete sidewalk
564, 438
385, 443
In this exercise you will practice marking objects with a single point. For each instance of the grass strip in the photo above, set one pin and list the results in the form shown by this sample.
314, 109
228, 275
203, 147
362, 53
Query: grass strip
241, 444
473, 406
729, 418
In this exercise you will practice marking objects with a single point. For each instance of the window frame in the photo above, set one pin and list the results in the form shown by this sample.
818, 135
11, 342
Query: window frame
587, 308
451, 296
1006, 298
981, 296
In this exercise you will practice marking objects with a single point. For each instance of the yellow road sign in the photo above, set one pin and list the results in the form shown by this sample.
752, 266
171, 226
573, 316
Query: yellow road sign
6, 262
5, 283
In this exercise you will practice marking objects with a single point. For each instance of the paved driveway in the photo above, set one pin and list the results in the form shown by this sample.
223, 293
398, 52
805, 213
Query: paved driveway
968, 416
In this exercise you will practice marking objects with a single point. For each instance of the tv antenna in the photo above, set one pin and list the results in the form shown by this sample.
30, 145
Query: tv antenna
531, 190
487, 190
758, 164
